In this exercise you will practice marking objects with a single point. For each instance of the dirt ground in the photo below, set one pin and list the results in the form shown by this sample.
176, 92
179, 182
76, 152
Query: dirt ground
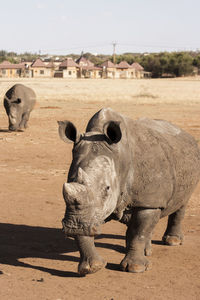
36, 262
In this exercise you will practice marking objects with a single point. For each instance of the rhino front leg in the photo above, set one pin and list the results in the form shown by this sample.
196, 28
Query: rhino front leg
147, 249
173, 235
138, 239
24, 121
90, 260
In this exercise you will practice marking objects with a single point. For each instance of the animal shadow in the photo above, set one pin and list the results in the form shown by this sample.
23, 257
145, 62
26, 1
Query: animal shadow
4, 130
22, 241
10, 131
112, 246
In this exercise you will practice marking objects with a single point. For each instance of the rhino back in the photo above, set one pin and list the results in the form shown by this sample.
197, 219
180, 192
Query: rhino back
166, 163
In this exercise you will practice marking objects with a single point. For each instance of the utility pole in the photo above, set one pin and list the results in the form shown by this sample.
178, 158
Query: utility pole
114, 53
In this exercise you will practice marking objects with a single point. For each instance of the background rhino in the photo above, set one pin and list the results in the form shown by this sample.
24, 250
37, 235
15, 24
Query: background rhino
19, 101
134, 171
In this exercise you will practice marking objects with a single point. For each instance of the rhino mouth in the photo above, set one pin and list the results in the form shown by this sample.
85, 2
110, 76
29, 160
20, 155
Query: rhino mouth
72, 228
82, 217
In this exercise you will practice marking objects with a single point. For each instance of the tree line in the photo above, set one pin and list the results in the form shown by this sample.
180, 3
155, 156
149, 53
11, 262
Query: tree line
163, 64
169, 64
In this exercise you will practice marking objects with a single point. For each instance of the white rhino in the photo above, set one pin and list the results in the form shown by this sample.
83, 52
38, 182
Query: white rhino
19, 101
134, 171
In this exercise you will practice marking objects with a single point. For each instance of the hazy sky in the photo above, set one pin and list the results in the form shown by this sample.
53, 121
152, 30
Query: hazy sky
72, 26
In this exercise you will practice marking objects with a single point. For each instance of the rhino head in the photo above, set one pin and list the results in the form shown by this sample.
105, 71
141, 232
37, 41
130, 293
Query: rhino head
92, 191
14, 110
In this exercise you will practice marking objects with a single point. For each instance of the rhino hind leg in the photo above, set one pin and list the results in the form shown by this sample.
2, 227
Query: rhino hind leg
173, 235
138, 239
90, 260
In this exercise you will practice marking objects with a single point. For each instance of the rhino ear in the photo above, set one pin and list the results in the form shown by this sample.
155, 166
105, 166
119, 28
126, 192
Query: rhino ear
113, 131
68, 132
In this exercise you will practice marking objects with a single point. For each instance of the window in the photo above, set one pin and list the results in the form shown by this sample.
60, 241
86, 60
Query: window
70, 73
41, 72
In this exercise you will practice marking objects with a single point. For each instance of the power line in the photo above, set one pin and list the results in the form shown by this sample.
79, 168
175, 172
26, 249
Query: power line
114, 44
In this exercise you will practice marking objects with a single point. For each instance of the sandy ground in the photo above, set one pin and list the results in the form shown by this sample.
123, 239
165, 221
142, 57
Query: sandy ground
36, 262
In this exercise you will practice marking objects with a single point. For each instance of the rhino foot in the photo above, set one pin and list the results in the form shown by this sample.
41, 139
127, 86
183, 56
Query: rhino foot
129, 264
91, 265
172, 240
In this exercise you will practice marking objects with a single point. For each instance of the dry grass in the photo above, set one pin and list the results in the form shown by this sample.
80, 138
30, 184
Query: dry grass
169, 91
176, 100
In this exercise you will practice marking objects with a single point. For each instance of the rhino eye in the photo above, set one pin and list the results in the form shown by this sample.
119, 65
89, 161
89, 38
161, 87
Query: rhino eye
105, 191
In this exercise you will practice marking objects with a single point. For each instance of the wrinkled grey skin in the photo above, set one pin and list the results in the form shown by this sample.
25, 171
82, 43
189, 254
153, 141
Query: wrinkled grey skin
19, 101
132, 171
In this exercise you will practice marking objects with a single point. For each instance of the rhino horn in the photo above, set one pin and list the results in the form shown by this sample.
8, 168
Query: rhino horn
72, 192
83, 177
